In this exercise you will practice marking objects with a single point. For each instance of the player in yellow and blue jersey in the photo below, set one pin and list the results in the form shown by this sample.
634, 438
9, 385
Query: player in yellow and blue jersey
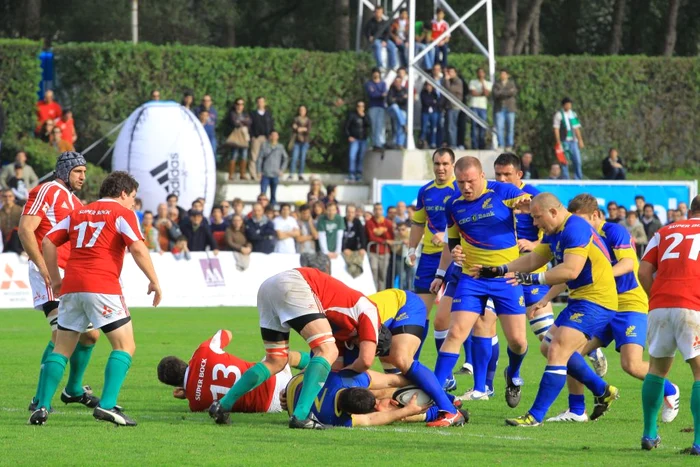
628, 328
482, 218
583, 264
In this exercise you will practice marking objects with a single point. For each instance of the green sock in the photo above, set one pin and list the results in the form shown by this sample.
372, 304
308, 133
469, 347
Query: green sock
652, 399
314, 377
303, 361
251, 379
54, 366
118, 365
47, 352
78, 364
695, 409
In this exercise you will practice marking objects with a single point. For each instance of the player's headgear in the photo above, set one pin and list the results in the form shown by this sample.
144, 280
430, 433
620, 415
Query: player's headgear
383, 341
66, 162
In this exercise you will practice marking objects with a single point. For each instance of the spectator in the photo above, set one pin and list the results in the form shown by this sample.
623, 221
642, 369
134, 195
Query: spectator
672, 216
423, 37
455, 86
379, 231
567, 133
272, 163
150, 233
391, 216
17, 185
161, 215
208, 119
239, 140
155, 95
300, 134
357, 129
180, 249
354, 242
504, 108
198, 234
439, 26
237, 206
46, 133
636, 230
529, 171
430, 115
264, 200
308, 235
612, 212
168, 228
622, 214
411, 212
406, 273
479, 92
60, 144
376, 93
237, 242
270, 213
397, 100
613, 169
554, 172
287, 229
28, 174
330, 232
197, 205
317, 210
439, 78
650, 221
217, 223
260, 231
262, 125
402, 74
366, 217
172, 200
639, 203
399, 35
683, 211
376, 30
315, 191
47, 110
331, 195
402, 212
10, 213
226, 210
187, 100
67, 126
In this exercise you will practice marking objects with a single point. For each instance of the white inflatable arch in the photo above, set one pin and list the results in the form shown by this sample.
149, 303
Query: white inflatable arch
164, 146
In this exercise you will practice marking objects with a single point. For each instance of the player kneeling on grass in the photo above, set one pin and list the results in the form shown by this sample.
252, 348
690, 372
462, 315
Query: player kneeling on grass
212, 372
91, 292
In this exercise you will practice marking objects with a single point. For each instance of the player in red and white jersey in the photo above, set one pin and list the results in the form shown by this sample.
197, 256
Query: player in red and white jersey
212, 372
670, 274
308, 301
98, 234
48, 204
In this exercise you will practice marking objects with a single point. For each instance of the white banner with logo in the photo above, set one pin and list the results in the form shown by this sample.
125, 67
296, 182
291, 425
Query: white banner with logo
203, 281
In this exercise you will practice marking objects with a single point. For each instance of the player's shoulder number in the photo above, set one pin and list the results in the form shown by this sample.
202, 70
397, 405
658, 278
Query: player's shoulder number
676, 239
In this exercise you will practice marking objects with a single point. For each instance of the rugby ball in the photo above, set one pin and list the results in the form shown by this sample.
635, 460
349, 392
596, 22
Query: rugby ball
403, 396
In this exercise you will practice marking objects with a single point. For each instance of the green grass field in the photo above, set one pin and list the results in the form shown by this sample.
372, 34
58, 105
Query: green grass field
168, 434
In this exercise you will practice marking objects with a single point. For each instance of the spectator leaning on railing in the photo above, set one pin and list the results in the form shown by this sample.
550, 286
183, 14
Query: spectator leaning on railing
379, 231
237, 242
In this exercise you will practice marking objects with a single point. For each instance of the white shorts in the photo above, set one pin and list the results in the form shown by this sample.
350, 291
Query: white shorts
40, 292
669, 329
283, 378
283, 297
77, 310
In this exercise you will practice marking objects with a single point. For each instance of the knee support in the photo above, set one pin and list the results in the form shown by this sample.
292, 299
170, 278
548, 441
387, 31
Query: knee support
541, 324
53, 322
277, 349
318, 339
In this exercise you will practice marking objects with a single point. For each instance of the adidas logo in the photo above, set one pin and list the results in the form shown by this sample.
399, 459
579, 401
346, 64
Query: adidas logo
168, 174
64, 205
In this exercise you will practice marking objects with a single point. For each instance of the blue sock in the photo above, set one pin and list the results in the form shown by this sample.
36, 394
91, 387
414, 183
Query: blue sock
577, 368
493, 363
482, 356
445, 364
577, 403
553, 381
432, 414
669, 388
467, 345
515, 361
422, 341
421, 376
439, 339
451, 397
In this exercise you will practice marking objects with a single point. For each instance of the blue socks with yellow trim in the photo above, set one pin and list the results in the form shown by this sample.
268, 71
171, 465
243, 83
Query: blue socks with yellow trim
551, 384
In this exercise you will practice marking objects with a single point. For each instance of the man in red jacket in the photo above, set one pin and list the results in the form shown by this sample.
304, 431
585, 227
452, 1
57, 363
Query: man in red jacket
380, 230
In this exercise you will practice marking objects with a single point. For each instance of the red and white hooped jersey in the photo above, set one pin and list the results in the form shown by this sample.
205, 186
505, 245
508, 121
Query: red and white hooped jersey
674, 252
53, 202
98, 234
350, 313
212, 372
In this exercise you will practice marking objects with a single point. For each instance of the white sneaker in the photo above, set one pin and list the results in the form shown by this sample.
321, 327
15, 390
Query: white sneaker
473, 395
600, 363
467, 369
671, 406
567, 416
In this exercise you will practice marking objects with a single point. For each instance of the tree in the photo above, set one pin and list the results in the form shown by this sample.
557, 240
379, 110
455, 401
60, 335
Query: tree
342, 24
671, 30
526, 26
32, 19
510, 28
616, 34
535, 36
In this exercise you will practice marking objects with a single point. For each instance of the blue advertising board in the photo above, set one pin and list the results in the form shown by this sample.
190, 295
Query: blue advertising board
663, 195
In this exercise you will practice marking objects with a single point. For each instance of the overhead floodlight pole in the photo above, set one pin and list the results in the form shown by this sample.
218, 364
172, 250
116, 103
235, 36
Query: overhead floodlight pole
410, 143
489, 27
135, 21
358, 28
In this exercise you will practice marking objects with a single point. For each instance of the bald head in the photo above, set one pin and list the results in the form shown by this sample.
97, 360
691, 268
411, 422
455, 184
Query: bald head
695, 207
546, 201
468, 162
470, 177
547, 212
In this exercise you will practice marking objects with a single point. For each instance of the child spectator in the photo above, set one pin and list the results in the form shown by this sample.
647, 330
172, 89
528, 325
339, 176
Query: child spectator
315, 191
180, 249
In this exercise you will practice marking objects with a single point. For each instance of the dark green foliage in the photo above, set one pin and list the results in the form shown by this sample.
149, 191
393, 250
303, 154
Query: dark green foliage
19, 83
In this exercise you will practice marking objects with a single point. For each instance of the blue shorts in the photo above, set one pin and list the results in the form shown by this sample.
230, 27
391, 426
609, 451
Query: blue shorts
626, 327
452, 278
534, 293
584, 316
413, 313
471, 295
425, 272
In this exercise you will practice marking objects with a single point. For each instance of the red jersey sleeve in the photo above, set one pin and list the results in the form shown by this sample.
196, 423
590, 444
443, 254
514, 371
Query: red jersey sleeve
219, 341
58, 235
368, 326
651, 254
34, 204
128, 226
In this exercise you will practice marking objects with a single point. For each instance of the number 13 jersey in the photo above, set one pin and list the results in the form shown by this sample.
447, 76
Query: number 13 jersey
98, 234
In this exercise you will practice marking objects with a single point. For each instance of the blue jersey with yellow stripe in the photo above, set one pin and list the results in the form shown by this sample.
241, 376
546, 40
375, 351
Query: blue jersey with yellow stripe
486, 225
631, 295
595, 283
430, 210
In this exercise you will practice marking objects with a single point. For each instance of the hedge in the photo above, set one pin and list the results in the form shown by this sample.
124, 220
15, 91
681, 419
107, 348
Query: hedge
646, 107
20, 73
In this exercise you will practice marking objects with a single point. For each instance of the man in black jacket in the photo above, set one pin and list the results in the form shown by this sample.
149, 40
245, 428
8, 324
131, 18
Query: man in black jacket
354, 241
377, 32
357, 130
397, 101
198, 234
261, 126
260, 231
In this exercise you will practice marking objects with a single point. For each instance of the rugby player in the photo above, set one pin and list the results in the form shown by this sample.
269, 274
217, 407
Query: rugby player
483, 218
629, 326
99, 234
212, 372
670, 274
308, 301
47, 205
584, 265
